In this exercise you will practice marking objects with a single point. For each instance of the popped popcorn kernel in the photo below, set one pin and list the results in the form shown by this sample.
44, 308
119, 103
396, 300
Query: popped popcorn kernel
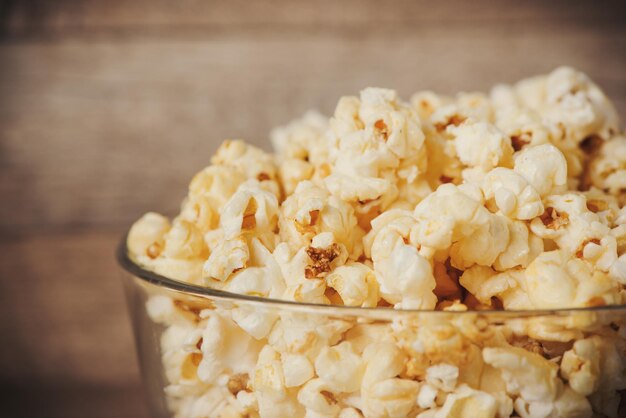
427, 222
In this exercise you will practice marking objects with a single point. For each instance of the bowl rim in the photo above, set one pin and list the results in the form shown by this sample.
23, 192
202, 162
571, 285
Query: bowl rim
129, 265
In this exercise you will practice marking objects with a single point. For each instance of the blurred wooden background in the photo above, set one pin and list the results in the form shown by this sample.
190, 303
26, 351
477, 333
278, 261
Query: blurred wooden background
108, 108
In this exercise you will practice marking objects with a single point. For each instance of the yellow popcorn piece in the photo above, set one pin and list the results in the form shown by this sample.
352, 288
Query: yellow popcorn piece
146, 236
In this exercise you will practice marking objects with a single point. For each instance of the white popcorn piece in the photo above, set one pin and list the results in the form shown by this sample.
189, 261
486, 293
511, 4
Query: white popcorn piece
446, 216
618, 269
426, 103
252, 161
484, 284
184, 241
608, 169
511, 194
427, 396
544, 167
250, 209
356, 285
228, 257
311, 210
200, 211
442, 376
523, 247
349, 413
468, 402
340, 367
256, 323
226, 348
146, 236
317, 396
371, 137
580, 366
302, 139
526, 374
297, 369
554, 280
405, 277
481, 145
576, 102
217, 183
383, 393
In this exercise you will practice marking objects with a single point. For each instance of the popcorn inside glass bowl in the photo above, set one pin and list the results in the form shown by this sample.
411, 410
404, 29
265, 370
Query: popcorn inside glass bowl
507, 201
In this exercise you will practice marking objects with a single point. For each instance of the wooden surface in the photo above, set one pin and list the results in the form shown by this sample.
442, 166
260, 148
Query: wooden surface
108, 108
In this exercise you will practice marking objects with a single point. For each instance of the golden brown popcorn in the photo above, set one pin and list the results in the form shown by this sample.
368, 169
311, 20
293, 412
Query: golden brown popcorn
460, 205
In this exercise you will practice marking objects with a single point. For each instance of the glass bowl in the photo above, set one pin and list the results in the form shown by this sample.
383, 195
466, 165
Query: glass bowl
208, 353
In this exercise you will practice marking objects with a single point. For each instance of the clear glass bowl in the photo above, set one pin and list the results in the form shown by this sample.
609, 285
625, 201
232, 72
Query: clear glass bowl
207, 353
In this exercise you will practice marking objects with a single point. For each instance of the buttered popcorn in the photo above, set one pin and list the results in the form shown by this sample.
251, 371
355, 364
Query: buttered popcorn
512, 200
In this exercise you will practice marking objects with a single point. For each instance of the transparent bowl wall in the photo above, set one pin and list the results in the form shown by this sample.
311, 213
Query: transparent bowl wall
171, 377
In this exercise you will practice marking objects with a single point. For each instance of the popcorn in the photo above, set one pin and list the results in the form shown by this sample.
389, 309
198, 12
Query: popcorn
302, 139
311, 210
481, 145
523, 247
340, 367
544, 167
315, 395
145, 238
512, 194
274, 399
350, 413
297, 369
301, 149
225, 348
252, 161
184, 241
217, 183
442, 376
468, 402
374, 140
405, 277
250, 210
356, 285
553, 280
572, 99
426, 397
607, 171
228, 257
461, 205
385, 395
580, 366
526, 374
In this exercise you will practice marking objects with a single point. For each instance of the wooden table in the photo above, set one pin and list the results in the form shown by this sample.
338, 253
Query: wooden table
108, 108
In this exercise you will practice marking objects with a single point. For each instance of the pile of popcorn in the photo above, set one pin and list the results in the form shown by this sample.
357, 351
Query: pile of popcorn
512, 200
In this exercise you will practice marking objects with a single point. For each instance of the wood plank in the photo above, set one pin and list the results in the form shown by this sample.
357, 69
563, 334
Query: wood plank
63, 310
26, 17
99, 131
75, 400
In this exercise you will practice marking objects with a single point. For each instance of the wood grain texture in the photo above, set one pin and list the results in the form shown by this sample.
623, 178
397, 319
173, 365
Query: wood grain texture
64, 316
93, 131
26, 17
108, 108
